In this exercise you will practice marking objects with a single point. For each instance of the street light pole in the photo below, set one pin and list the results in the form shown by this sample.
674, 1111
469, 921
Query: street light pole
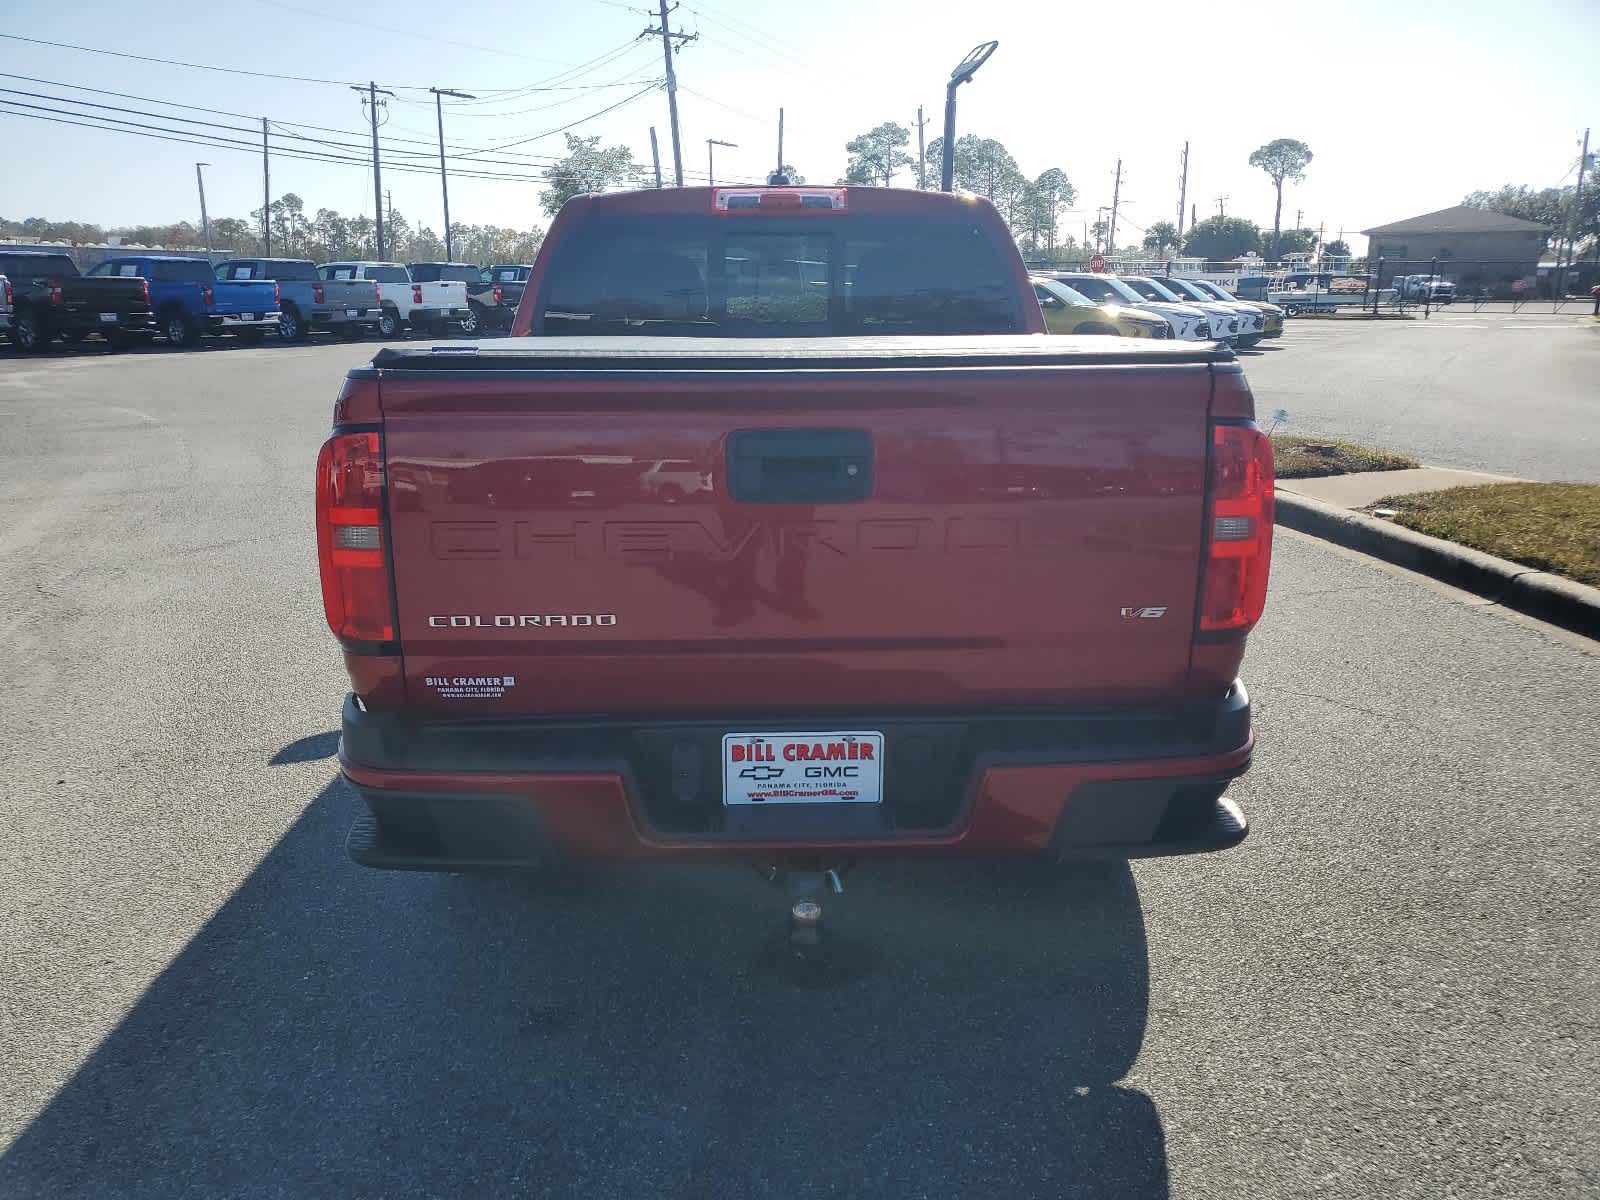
444, 183
711, 171
964, 71
205, 221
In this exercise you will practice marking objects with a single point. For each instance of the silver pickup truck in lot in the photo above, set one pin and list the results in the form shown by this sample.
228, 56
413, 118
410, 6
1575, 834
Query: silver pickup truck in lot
308, 301
435, 306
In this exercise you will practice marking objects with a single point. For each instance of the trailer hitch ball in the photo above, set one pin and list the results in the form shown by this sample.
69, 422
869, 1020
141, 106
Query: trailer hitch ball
805, 918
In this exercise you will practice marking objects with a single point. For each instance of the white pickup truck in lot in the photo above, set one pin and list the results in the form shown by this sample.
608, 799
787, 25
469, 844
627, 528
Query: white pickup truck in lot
436, 307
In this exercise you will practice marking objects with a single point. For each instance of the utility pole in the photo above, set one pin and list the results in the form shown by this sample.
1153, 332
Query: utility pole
1183, 187
664, 32
922, 152
444, 184
780, 142
266, 195
711, 166
1116, 195
1194, 215
655, 155
388, 204
1299, 216
205, 221
373, 90
1572, 220
1221, 200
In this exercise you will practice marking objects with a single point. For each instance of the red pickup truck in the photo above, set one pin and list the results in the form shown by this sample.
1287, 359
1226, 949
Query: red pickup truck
778, 531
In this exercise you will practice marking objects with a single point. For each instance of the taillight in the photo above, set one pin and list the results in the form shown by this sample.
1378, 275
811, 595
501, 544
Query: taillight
416, 293
277, 295
350, 544
1239, 529
55, 290
316, 293
6, 284
207, 296
145, 288
497, 294
376, 293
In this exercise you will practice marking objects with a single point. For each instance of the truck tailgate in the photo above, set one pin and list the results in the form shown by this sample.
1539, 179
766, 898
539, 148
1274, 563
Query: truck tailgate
97, 293
894, 522
346, 293
244, 295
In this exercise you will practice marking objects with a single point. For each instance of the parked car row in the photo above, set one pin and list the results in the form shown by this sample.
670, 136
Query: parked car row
44, 297
1193, 310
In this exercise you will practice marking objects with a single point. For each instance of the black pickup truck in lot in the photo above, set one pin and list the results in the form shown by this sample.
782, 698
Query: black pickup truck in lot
51, 299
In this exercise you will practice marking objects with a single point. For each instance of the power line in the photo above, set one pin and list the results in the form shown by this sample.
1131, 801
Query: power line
218, 142
755, 35
633, 79
560, 79
138, 112
390, 29
285, 127
172, 62
563, 128
738, 112
390, 149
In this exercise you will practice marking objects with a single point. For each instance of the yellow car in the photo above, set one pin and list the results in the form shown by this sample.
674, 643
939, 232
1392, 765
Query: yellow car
1069, 311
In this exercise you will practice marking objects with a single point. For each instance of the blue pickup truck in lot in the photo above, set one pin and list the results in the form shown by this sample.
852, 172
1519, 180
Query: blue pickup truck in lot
188, 300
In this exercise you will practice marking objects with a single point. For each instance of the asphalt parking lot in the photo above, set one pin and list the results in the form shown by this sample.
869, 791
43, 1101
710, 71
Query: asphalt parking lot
1514, 394
1391, 990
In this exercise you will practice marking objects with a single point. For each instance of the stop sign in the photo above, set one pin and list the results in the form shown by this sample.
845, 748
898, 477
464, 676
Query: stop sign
1097, 264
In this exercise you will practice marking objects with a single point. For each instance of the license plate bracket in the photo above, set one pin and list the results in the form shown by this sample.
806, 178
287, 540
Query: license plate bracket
806, 767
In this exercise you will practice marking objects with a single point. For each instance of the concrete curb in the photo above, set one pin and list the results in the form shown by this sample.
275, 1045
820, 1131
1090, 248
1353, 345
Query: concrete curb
1552, 598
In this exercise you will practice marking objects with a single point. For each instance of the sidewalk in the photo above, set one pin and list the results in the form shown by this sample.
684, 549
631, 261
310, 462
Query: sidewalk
1330, 507
1368, 487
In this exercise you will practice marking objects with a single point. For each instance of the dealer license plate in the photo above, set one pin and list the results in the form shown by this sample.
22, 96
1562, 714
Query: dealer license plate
247, 316
108, 318
802, 768
352, 312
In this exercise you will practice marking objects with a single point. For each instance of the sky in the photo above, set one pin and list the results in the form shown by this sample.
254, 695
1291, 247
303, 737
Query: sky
1407, 105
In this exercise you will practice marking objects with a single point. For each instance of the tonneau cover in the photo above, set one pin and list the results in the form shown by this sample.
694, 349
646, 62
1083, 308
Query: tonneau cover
792, 354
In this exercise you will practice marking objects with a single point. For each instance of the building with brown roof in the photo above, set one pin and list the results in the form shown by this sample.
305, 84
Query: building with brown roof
1474, 246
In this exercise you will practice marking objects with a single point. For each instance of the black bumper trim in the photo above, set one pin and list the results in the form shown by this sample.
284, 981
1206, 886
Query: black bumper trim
391, 742
669, 773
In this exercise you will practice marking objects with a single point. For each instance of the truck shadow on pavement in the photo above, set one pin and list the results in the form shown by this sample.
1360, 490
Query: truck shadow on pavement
338, 1032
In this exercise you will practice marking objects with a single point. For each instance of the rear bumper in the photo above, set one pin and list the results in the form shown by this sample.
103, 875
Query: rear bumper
89, 322
341, 316
226, 322
1063, 784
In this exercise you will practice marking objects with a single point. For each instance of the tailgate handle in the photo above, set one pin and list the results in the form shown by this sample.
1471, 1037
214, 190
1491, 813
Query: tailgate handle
799, 466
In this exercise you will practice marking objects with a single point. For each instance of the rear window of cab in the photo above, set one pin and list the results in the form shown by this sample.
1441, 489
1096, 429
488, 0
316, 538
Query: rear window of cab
710, 276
